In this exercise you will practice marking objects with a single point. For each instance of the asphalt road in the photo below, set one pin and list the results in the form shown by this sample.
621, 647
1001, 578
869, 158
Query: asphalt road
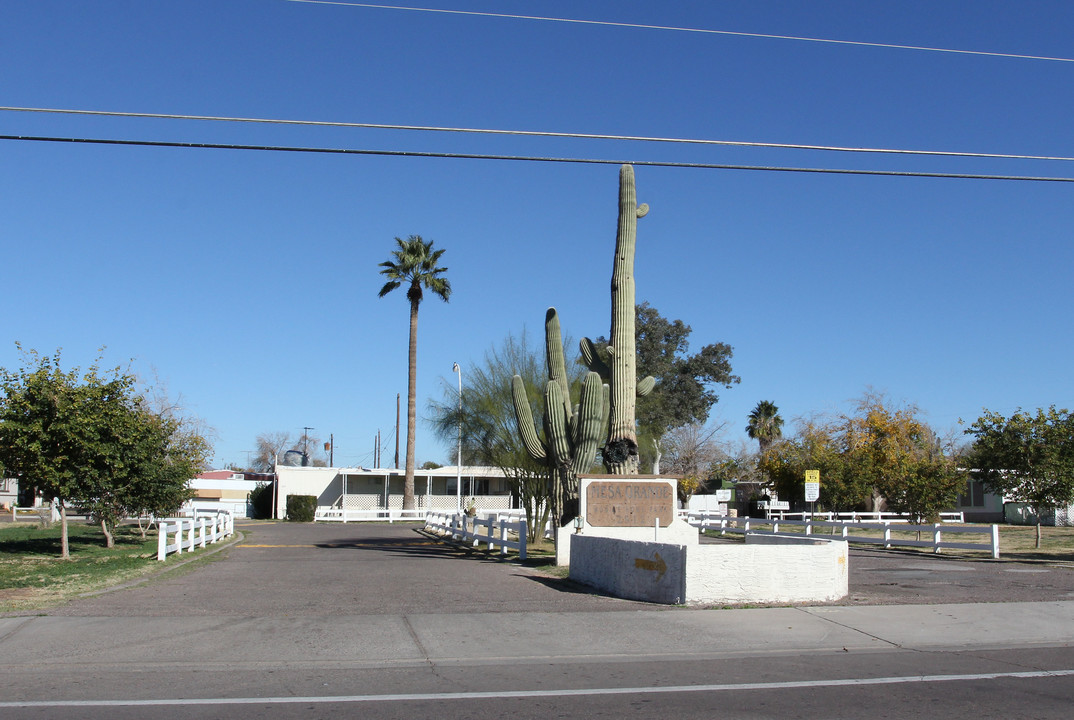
378, 621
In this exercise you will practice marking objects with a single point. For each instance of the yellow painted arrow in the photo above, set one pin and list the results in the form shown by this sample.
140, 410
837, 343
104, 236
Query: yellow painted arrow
657, 565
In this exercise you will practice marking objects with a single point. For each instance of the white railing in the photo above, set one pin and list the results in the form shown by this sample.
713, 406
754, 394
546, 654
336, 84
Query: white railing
743, 525
335, 514
466, 528
37, 513
515, 516
187, 534
947, 517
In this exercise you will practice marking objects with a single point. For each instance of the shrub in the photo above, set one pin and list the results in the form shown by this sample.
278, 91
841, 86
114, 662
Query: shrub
261, 500
301, 508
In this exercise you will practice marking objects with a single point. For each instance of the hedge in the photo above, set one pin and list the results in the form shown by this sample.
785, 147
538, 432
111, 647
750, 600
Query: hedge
301, 508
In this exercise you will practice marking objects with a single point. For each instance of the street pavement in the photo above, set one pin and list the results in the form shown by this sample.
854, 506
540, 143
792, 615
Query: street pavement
333, 620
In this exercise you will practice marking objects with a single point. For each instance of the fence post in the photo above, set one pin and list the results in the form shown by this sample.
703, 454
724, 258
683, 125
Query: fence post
201, 532
936, 538
887, 536
190, 535
503, 536
995, 541
162, 541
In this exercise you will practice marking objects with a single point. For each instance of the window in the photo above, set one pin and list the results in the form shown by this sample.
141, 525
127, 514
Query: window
973, 496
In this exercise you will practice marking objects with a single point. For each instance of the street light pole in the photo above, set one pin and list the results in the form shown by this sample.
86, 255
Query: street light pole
458, 461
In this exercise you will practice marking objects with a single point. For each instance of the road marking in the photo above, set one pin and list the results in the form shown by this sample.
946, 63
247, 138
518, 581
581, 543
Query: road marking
525, 694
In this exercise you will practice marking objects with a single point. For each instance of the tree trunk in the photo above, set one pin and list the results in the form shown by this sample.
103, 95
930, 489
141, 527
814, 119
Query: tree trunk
411, 412
65, 545
109, 539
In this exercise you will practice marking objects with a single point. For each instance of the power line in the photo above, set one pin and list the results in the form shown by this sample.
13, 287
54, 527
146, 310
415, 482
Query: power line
541, 134
530, 158
640, 26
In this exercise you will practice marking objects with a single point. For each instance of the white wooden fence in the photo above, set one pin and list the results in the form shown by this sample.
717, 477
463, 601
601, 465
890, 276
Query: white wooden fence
38, 513
947, 517
336, 514
705, 520
466, 528
186, 534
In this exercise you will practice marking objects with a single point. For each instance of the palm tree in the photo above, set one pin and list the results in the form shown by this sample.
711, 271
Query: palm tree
765, 424
414, 264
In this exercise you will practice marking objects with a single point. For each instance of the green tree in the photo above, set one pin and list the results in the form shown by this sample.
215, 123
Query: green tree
41, 426
815, 446
1028, 457
765, 424
89, 441
489, 431
172, 452
415, 265
685, 383
877, 450
902, 458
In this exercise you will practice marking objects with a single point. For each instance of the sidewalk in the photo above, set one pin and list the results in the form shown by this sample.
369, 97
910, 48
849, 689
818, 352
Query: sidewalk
504, 638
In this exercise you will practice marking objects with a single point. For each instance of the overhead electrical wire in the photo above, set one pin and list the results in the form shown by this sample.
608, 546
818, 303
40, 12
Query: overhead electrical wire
530, 158
540, 134
642, 26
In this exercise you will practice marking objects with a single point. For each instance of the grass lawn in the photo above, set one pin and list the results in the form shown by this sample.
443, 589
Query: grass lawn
33, 576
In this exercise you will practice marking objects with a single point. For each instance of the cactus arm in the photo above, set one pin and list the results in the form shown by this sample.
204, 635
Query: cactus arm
557, 365
588, 427
606, 410
646, 386
594, 358
524, 416
555, 427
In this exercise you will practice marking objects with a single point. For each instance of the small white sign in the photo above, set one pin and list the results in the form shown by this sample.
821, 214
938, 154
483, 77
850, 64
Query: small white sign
812, 491
723, 495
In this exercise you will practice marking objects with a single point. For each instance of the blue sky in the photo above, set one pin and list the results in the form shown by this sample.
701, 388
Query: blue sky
247, 281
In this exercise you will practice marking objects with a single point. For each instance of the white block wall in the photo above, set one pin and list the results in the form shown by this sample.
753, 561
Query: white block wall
771, 571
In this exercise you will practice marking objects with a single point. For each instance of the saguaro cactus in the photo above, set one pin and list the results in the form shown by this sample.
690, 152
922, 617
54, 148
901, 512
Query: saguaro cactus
571, 435
617, 361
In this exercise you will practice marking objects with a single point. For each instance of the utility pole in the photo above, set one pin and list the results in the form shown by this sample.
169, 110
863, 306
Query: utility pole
396, 431
458, 461
305, 446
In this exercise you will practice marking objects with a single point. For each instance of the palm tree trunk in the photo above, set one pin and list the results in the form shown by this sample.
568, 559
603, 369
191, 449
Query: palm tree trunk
411, 411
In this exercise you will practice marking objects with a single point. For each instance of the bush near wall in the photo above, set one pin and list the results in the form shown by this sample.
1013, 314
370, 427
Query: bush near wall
301, 508
261, 500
